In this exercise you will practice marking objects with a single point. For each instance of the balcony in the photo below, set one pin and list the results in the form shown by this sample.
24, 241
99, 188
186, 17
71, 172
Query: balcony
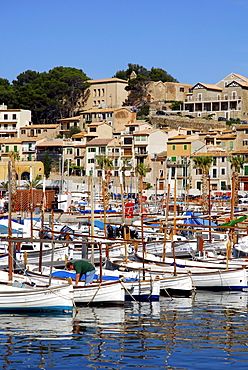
142, 153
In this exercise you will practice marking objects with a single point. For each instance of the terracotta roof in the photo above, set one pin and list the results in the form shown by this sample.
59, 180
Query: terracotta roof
212, 154
144, 132
208, 86
226, 136
242, 83
240, 76
51, 143
97, 142
114, 142
79, 134
40, 126
107, 80
76, 118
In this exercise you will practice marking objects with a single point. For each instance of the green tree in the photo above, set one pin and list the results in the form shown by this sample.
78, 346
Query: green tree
74, 130
47, 164
137, 86
49, 95
237, 163
34, 184
204, 163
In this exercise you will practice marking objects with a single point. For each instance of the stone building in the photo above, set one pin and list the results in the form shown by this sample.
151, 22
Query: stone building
227, 99
106, 93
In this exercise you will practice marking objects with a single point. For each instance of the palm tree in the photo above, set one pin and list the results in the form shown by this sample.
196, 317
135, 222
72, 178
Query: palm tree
14, 156
125, 162
141, 171
204, 163
34, 184
237, 163
106, 164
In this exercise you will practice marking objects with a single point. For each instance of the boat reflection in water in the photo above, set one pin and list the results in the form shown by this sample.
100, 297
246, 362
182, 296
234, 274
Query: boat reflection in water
171, 333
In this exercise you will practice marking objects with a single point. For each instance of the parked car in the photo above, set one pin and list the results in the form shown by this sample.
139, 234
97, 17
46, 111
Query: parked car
221, 119
161, 113
242, 121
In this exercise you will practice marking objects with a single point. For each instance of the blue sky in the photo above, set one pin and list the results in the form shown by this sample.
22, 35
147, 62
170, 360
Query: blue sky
193, 40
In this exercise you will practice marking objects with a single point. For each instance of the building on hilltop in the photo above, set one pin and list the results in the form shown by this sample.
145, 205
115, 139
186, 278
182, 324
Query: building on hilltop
105, 93
228, 99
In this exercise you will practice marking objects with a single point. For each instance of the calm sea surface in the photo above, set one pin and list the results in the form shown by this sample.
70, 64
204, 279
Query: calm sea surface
208, 331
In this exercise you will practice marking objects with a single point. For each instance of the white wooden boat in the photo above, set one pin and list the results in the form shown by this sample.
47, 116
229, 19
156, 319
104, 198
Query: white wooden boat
180, 262
21, 297
203, 278
30, 251
105, 292
99, 293
181, 285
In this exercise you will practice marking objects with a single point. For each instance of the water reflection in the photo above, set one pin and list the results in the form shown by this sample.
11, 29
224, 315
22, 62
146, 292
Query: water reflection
173, 333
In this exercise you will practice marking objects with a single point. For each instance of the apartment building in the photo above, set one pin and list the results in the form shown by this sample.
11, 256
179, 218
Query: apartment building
11, 120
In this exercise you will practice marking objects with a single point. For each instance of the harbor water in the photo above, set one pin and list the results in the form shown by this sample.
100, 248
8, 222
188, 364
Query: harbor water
206, 331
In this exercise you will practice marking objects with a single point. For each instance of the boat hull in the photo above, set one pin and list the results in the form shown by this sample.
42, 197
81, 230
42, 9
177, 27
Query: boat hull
54, 298
99, 293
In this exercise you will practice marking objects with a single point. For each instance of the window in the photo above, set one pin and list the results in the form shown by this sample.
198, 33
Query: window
223, 144
223, 171
200, 96
13, 116
94, 93
214, 161
30, 157
99, 92
185, 147
246, 170
7, 149
102, 150
181, 89
198, 171
173, 172
234, 95
173, 159
128, 140
215, 173
94, 102
23, 132
223, 159
103, 92
231, 145
223, 185
246, 131
15, 148
198, 185
91, 160
173, 147
91, 150
226, 97
245, 142
69, 151
5, 116
137, 138
92, 129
